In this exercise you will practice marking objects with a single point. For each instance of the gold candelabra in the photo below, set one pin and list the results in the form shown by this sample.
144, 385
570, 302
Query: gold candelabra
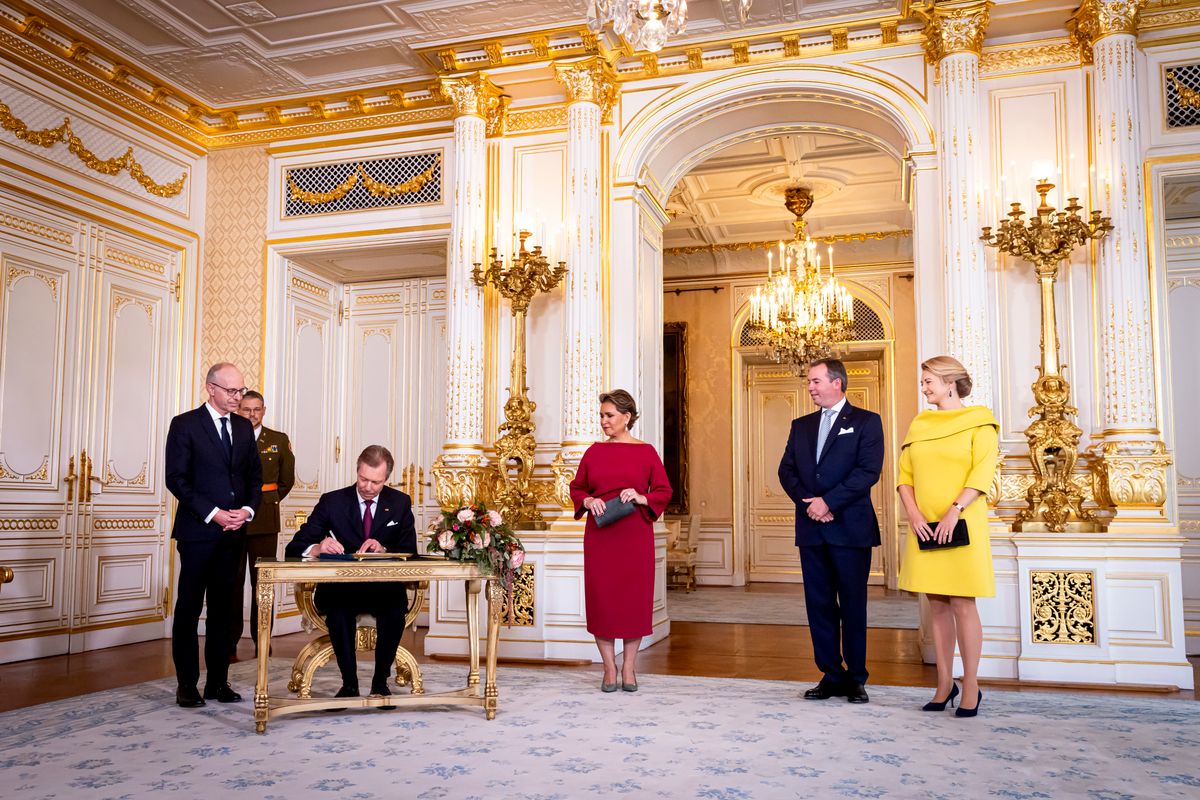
528, 275
1053, 437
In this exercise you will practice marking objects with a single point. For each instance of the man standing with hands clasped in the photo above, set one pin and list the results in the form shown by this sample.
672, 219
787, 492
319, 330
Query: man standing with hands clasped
212, 468
832, 459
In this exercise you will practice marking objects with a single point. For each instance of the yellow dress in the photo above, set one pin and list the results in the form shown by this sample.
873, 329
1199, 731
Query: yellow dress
944, 452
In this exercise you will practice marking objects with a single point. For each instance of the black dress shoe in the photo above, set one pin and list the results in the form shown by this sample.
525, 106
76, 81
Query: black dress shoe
188, 697
347, 691
857, 693
222, 694
381, 690
825, 690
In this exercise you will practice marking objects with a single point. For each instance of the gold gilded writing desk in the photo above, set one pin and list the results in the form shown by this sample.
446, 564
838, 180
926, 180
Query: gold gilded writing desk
272, 571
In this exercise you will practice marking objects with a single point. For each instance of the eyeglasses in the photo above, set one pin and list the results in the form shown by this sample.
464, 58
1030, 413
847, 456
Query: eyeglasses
228, 391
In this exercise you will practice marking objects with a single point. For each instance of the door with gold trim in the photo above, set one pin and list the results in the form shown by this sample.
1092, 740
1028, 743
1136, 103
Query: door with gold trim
775, 397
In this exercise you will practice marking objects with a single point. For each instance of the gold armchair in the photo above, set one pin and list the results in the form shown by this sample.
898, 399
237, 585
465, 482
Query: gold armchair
319, 651
681, 556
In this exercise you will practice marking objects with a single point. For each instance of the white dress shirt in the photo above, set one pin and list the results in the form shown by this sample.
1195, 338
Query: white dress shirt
217, 416
362, 512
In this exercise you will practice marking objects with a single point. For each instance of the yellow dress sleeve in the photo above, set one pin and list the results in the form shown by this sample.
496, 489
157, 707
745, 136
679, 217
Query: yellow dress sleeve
985, 448
905, 478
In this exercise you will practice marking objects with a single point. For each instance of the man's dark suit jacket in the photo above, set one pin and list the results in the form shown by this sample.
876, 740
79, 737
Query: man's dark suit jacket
202, 477
849, 466
278, 467
392, 523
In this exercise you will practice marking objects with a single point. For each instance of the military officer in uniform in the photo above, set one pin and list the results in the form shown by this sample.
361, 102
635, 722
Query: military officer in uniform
262, 533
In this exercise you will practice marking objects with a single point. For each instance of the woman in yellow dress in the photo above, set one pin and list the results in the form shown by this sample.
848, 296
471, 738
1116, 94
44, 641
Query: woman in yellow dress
947, 463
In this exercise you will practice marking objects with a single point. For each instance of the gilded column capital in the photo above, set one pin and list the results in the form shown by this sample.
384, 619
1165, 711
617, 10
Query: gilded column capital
1095, 19
954, 28
471, 95
589, 81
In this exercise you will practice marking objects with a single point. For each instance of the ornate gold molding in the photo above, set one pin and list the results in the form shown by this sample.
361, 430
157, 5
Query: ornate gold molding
956, 28
33, 524
124, 524
48, 137
1095, 19
523, 598
1062, 606
563, 473
461, 480
43, 231
1188, 97
734, 246
590, 81
1131, 475
550, 118
137, 262
1016, 59
376, 188
471, 95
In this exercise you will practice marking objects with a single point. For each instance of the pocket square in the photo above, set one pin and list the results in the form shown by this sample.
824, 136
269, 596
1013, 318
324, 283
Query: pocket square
390, 524
845, 430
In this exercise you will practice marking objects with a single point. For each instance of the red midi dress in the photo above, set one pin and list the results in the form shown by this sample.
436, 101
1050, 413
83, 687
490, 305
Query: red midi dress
618, 561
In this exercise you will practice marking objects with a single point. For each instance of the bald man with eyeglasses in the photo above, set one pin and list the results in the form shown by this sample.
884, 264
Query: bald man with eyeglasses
213, 469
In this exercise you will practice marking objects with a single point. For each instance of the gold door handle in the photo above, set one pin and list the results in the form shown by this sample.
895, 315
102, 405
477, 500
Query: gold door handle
85, 477
70, 478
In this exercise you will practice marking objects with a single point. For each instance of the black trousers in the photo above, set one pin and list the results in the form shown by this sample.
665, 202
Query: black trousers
207, 570
835, 594
342, 603
260, 545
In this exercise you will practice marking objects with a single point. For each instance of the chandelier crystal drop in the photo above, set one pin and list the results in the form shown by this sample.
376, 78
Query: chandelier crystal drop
801, 310
645, 24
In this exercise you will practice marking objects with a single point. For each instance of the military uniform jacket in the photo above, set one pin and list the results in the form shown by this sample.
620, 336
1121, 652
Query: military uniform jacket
278, 467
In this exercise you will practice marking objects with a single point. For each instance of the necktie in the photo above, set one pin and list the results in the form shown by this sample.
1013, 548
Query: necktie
225, 439
823, 433
367, 520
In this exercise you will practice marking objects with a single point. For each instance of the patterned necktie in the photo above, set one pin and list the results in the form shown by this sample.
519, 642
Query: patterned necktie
367, 520
823, 433
225, 439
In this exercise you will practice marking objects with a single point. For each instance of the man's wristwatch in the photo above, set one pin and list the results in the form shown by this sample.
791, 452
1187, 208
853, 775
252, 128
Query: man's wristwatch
958, 506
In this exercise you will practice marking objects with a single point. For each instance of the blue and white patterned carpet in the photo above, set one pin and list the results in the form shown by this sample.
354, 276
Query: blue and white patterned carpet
558, 737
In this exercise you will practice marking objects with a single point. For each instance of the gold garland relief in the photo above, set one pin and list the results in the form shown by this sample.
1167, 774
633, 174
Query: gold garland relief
376, 188
1188, 97
1063, 607
48, 137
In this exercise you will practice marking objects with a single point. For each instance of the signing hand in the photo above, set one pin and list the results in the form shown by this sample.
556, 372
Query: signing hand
918, 524
371, 546
595, 505
330, 545
629, 495
945, 528
818, 510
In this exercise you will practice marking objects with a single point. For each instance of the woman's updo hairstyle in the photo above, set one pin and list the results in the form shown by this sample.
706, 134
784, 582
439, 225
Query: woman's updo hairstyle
624, 403
950, 370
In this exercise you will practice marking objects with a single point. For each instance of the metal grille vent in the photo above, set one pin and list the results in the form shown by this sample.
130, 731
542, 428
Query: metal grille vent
1182, 92
407, 180
868, 327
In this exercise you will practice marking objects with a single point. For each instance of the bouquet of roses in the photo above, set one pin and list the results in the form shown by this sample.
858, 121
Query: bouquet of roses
473, 533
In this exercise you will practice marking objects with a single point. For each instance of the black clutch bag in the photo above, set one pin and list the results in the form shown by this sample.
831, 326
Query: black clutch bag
615, 509
958, 538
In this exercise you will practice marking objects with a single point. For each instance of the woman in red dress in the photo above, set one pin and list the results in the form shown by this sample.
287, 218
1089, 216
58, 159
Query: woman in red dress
618, 560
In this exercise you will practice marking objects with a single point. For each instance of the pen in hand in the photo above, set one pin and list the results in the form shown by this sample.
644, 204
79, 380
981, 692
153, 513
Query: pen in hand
330, 544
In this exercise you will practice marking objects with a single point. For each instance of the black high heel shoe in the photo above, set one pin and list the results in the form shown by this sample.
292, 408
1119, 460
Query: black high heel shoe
969, 712
933, 706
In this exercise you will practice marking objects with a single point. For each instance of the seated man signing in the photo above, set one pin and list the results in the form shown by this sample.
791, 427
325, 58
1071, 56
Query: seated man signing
368, 517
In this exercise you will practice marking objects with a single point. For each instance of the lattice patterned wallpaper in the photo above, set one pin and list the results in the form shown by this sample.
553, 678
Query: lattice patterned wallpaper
235, 230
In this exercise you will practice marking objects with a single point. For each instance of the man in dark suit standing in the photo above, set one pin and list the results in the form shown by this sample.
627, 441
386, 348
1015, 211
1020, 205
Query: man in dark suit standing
213, 470
262, 532
368, 517
832, 459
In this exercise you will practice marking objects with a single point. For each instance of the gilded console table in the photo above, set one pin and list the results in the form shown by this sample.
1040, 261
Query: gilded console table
273, 571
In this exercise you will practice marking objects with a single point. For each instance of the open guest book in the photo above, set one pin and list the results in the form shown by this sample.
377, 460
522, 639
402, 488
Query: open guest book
364, 556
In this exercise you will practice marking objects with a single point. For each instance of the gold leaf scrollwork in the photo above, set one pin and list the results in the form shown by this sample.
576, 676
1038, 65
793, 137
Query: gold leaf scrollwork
1063, 606
523, 599
376, 188
1126, 476
48, 137
1188, 97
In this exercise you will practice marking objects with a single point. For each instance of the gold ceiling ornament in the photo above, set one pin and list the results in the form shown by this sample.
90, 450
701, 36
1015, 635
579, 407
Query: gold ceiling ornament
902, 233
48, 137
801, 309
1095, 19
590, 81
1048, 239
953, 28
376, 188
527, 274
1188, 97
470, 94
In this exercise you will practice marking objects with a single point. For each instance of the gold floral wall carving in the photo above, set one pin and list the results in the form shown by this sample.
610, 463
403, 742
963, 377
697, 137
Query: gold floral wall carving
48, 137
523, 599
1062, 604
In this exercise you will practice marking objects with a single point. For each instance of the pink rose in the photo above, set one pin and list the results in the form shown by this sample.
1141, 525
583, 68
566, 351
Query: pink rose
466, 515
446, 540
494, 518
486, 539
518, 558
474, 538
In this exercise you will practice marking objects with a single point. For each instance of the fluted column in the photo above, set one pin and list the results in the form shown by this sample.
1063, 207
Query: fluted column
1131, 458
590, 88
953, 40
458, 471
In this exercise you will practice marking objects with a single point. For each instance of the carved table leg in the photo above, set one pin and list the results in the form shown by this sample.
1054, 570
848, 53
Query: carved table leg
473, 631
266, 605
491, 695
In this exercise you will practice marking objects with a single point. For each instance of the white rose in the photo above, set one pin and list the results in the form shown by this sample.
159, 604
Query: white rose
446, 540
466, 515
494, 518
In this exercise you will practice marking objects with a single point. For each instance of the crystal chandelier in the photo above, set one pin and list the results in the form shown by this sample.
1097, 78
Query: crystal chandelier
645, 24
801, 310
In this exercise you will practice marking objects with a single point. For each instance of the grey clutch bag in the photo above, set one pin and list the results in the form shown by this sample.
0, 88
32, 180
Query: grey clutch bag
615, 509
